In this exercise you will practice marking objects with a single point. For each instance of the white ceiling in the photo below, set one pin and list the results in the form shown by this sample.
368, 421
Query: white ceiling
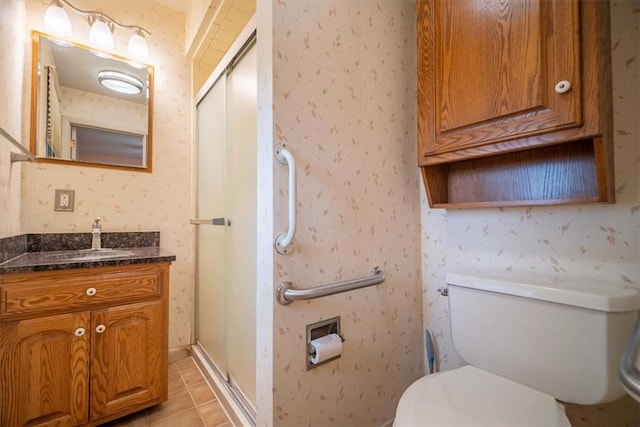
179, 5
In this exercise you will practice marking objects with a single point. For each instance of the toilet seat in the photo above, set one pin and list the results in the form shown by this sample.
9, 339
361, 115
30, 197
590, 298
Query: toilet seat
469, 396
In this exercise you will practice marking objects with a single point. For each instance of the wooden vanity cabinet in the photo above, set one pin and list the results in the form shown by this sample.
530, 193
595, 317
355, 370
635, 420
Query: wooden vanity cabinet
126, 362
69, 358
44, 367
514, 102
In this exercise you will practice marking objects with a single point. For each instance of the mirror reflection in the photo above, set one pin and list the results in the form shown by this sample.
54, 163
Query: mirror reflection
89, 107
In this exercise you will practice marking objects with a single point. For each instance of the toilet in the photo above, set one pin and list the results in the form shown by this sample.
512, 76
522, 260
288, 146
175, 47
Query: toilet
529, 345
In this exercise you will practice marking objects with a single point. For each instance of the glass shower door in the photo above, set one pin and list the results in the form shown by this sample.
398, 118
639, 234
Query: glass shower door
211, 201
226, 185
242, 201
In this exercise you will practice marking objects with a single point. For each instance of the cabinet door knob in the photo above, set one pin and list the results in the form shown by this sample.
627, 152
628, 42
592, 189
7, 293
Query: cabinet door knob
91, 291
79, 332
100, 328
563, 86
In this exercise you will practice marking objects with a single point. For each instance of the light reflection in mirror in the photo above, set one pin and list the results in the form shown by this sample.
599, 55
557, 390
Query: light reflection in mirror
77, 120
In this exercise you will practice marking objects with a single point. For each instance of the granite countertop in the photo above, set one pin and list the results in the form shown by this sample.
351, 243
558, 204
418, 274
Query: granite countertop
48, 252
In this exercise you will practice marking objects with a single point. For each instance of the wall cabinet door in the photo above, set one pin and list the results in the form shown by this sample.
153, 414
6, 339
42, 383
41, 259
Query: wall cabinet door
489, 71
514, 102
129, 358
44, 366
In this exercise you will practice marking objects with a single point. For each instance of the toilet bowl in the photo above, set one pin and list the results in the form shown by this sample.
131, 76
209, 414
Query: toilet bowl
469, 396
529, 344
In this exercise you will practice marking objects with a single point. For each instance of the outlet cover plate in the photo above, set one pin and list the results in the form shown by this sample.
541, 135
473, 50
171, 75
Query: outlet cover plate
64, 200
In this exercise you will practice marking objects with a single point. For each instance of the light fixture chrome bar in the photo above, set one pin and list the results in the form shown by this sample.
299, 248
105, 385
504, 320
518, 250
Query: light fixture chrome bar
286, 293
93, 14
16, 157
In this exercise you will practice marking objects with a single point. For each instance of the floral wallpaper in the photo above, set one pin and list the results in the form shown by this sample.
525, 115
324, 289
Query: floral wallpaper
103, 110
12, 78
128, 201
343, 101
592, 241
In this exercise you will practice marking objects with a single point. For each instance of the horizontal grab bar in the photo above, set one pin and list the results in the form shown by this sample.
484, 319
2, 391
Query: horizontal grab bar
286, 294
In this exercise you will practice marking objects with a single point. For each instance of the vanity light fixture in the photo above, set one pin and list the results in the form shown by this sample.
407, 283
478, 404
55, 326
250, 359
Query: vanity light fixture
57, 22
100, 35
137, 46
120, 82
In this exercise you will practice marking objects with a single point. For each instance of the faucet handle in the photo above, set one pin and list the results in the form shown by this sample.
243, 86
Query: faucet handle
96, 222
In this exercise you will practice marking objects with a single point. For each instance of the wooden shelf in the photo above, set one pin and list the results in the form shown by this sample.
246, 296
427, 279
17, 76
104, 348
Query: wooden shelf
573, 172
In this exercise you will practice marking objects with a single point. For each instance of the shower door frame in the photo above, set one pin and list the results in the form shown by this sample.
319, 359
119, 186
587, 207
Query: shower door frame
238, 401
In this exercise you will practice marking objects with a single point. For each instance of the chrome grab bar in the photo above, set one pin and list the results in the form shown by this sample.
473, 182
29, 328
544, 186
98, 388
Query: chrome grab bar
628, 372
284, 242
286, 294
210, 221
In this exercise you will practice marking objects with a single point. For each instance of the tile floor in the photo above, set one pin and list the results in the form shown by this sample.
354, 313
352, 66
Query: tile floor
191, 403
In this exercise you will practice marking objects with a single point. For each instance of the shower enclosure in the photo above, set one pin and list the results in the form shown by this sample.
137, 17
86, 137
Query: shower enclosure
226, 183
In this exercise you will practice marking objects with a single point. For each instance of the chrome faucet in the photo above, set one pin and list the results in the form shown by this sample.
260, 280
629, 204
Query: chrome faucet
96, 231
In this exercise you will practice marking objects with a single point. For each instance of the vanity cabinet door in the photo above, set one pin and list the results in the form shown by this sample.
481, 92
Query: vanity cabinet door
492, 71
129, 359
44, 366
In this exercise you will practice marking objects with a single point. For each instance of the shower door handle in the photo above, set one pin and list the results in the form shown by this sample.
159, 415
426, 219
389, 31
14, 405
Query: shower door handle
210, 221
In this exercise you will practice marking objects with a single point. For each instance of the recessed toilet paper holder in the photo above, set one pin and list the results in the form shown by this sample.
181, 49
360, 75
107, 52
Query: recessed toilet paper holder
318, 330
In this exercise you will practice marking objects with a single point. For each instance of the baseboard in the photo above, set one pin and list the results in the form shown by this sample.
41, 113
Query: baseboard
179, 353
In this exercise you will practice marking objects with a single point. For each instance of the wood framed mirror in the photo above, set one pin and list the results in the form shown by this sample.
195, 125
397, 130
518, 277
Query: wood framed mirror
88, 107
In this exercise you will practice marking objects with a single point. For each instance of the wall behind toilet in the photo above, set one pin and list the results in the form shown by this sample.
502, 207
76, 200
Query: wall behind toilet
590, 241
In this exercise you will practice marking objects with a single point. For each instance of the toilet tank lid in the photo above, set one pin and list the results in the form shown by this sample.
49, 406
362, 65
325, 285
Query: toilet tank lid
590, 294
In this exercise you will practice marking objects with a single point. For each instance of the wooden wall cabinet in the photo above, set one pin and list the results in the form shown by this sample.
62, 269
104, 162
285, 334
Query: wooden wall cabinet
82, 347
514, 102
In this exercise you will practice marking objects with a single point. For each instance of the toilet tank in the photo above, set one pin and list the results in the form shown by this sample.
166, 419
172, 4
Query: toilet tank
562, 337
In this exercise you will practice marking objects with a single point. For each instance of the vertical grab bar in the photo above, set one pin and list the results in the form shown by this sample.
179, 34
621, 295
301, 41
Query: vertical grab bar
284, 242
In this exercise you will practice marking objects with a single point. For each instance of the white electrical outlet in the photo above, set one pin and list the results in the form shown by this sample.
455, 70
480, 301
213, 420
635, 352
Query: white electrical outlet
64, 200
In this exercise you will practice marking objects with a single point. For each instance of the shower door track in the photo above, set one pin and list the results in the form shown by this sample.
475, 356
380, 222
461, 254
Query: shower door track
237, 402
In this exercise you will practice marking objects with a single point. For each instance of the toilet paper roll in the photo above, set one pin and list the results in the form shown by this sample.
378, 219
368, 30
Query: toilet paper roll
326, 347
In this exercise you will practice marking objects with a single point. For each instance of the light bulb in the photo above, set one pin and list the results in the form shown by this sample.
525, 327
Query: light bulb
137, 47
100, 35
57, 21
